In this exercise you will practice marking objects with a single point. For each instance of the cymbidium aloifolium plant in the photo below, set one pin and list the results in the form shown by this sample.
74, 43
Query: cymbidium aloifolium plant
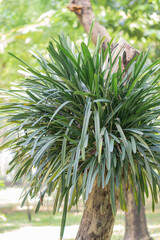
78, 118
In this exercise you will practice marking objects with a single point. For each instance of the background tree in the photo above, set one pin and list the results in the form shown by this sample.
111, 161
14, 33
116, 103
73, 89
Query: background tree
135, 221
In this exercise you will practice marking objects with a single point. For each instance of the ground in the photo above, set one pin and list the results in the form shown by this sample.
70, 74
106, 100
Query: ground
14, 222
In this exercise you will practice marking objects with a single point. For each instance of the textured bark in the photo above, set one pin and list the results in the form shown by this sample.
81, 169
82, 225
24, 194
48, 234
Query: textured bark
127, 52
135, 223
97, 220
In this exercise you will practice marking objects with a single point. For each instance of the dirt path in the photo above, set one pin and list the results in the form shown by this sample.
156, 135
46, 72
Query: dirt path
39, 233
52, 233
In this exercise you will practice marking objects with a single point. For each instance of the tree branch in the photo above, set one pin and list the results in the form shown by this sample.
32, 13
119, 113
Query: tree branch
83, 10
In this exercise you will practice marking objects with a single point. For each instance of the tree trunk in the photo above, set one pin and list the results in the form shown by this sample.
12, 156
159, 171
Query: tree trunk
28, 212
135, 223
97, 220
90, 221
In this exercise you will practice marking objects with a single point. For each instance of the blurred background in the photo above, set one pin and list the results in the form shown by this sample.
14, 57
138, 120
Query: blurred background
29, 25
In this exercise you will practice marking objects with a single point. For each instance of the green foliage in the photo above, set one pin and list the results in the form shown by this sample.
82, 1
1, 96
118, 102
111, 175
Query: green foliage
29, 24
137, 22
78, 117
1, 184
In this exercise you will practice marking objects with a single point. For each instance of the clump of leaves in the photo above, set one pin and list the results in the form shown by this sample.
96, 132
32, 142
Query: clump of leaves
79, 117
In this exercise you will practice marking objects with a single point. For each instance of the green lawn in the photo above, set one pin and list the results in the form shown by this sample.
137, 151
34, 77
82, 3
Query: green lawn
17, 219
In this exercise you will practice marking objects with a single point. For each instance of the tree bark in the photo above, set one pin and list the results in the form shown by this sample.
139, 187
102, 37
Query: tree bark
97, 220
91, 216
135, 223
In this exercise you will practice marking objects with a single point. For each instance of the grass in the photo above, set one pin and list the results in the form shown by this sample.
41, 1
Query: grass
19, 218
